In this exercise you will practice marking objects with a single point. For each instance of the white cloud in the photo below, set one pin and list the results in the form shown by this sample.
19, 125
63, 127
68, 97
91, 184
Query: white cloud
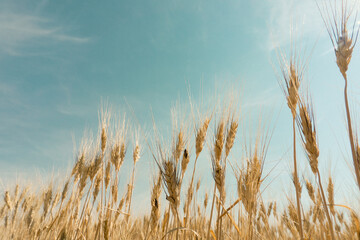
62, 37
302, 16
6, 88
267, 98
18, 30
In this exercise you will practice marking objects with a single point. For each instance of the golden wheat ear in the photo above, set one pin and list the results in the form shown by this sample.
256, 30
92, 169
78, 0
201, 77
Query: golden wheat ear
292, 70
305, 121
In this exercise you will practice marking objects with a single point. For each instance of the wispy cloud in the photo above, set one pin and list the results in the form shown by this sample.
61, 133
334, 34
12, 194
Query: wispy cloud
6, 88
301, 16
62, 37
267, 98
18, 30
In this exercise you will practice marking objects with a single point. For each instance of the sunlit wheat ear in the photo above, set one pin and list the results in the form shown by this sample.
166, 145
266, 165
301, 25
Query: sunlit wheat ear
206, 200
170, 175
305, 121
8, 200
292, 73
84, 173
218, 167
16, 192
97, 184
198, 185
219, 141
118, 153
297, 183
357, 154
171, 170
155, 204
270, 208
65, 190
293, 215
275, 209
310, 190
76, 171
171, 181
167, 160
114, 192
200, 136
330, 190
165, 220
219, 177
337, 25
136, 153
103, 138
107, 174
119, 208
249, 179
23, 194
136, 146
104, 116
136, 157
231, 134
184, 162
355, 223
290, 224
318, 213
179, 145
48, 196
95, 166
119, 144
248, 183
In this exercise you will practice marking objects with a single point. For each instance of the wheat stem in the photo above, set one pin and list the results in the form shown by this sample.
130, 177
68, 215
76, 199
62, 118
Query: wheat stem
350, 131
211, 212
326, 207
296, 180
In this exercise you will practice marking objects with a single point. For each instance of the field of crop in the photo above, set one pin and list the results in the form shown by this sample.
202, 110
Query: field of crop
88, 203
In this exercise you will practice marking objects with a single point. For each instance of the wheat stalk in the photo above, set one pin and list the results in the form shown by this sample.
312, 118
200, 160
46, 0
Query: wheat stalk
343, 43
306, 125
292, 75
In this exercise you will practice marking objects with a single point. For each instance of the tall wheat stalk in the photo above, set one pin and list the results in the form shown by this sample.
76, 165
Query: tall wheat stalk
305, 121
218, 170
136, 157
292, 71
199, 144
172, 172
249, 179
343, 42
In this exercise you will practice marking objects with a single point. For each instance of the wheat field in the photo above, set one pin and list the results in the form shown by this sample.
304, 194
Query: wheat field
91, 202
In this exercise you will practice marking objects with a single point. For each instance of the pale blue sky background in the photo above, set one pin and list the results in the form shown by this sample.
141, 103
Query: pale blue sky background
58, 59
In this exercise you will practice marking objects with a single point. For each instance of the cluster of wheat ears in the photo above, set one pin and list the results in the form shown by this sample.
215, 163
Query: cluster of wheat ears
88, 205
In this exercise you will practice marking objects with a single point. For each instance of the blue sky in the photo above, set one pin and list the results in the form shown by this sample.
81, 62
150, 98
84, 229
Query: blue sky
59, 59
